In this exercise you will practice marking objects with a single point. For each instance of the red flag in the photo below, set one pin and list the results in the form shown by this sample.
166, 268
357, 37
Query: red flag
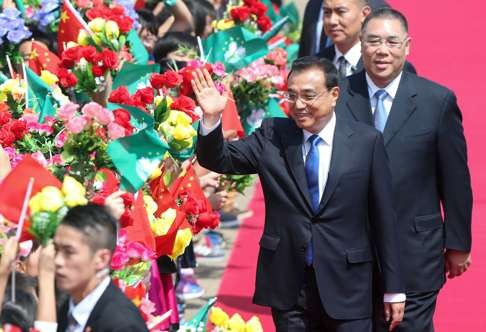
140, 229
14, 187
70, 24
42, 59
231, 118
165, 243
188, 182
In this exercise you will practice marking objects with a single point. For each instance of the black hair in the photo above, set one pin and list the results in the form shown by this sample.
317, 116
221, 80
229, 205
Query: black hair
385, 12
323, 64
20, 313
171, 42
96, 223
200, 9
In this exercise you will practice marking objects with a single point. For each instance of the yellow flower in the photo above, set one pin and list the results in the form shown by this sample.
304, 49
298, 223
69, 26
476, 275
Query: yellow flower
111, 30
183, 132
155, 174
97, 39
34, 203
254, 325
48, 77
97, 25
236, 323
51, 199
158, 100
162, 225
83, 38
71, 44
223, 24
183, 238
218, 317
150, 205
75, 193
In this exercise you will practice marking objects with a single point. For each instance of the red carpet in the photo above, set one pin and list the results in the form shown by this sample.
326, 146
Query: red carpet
448, 47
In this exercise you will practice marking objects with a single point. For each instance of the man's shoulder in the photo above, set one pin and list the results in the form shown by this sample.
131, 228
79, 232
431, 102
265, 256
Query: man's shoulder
427, 86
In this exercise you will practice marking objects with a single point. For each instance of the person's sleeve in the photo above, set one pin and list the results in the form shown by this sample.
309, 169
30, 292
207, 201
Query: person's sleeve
205, 130
42, 326
394, 297
454, 178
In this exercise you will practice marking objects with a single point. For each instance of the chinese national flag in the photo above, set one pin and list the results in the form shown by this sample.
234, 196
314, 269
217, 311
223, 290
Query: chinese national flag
140, 229
164, 244
231, 118
42, 59
69, 25
188, 182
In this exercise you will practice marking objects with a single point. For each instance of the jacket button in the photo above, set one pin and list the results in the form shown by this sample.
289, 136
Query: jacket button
303, 248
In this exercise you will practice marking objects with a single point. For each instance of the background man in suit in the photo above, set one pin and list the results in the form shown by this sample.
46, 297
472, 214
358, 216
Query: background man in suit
84, 243
424, 140
315, 262
313, 37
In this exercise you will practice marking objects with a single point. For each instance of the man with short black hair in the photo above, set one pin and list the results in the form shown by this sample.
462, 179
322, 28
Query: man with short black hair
424, 140
84, 242
327, 200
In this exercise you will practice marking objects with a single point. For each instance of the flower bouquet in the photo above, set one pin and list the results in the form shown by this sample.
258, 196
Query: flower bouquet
249, 13
12, 32
43, 14
223, 323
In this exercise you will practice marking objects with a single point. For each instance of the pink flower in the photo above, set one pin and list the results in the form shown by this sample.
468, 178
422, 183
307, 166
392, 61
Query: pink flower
98, 113
60, 139
138, 250
41, 128
67, 111
115, 131
83, 4
76, 124
219, 69
56, 159
119, 259
39, 157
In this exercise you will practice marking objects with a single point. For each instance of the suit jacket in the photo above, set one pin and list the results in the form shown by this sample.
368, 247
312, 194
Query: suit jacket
425, 144
358, 187
330, 53
112, 313
307, 44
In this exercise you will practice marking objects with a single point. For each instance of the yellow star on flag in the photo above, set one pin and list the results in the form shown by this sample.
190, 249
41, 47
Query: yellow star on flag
64, 16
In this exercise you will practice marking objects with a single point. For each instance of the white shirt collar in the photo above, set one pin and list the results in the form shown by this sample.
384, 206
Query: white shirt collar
82, 310
352, 56
326, 133
391, 88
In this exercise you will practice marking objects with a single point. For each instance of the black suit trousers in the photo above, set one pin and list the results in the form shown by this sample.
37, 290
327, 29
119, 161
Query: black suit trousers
309, 315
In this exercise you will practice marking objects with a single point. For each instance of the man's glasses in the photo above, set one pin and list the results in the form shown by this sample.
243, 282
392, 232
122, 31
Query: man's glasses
391, 42
306, 98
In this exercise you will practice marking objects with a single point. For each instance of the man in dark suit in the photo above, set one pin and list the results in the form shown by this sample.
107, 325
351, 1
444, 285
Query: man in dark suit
84, 243
424, 140
313, 37
342, 24
327, 195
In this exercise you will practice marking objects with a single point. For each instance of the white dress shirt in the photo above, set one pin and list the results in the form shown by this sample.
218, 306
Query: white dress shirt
325, 153
81, 311
352, 58
325, 150
391, 90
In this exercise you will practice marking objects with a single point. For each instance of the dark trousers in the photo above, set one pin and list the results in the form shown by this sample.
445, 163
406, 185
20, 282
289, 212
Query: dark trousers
309, 314
419, 314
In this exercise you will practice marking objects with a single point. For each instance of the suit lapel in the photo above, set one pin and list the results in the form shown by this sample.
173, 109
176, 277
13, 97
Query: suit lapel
359, 102
341, 149
403, 106
292, 142
98, 308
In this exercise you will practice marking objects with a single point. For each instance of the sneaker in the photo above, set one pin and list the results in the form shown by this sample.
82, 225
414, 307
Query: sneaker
211, 247
188, 289
214, 237
228, 220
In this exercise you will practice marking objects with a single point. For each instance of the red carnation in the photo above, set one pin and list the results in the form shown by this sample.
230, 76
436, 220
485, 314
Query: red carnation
89, 53
206, 220
264, 23
157, 81
240, 14
18, 128
186, 105
258, 8
97, 71
144, 96
5, 117
66, 78
122, 117
120, 95
169, 79
125, 23
250, 3
70, 56
7, 138
109, 58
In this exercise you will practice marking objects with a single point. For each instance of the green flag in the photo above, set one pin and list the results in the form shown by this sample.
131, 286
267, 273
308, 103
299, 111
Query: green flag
200, 320
136, 157
292, 52
272, 15
290, 10
276, 27
132, 75
273, 109
40, 95
236, 48
3, 78
20, 6
137, 48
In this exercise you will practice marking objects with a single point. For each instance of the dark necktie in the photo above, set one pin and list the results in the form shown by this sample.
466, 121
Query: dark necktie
342, 62
312, 176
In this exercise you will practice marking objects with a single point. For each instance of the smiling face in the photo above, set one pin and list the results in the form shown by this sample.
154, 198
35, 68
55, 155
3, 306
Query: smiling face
385, 45
342, 21
310, 103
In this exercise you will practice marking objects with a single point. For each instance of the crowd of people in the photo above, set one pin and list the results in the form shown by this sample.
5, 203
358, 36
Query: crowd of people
364, 171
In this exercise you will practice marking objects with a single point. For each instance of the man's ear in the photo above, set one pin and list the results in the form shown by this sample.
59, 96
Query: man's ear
102, 259
365, 11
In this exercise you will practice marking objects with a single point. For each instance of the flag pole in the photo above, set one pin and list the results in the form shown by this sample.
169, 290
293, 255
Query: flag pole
10, 67
201, 49
24, 71
20, 226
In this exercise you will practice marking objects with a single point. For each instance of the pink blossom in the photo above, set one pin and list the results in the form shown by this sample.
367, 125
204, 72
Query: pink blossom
13, 156
219, 69
147, 306
67, 111
138, 250
195, 64
83, 4
39, 157
115, 131
56, 159
97, 112
60, 139
122, 237
119, 259
220, 87
76, 124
